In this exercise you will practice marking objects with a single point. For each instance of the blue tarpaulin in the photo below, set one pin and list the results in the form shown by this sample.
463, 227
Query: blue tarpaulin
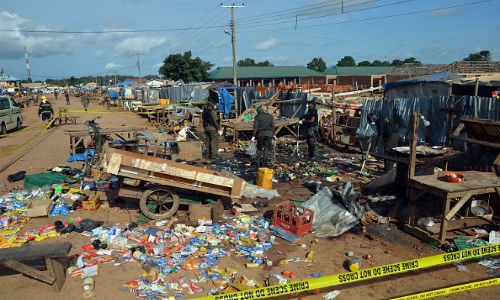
113, 94
125, 83
225, 101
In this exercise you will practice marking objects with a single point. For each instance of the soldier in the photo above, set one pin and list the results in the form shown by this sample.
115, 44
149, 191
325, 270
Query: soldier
310, 122
211, 124
263, 129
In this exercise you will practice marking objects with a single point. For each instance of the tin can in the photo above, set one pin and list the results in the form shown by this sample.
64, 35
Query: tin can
310, 254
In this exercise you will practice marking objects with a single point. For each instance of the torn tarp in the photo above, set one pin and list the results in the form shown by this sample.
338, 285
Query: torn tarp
330, 216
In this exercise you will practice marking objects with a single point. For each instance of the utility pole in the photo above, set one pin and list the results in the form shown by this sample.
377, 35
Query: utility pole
27, 64
233, 38
116, 71
139, 67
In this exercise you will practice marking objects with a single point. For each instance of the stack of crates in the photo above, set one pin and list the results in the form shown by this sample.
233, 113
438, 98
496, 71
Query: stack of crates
293, 218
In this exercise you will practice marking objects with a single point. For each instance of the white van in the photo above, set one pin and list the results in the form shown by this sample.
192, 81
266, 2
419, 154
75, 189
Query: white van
10, 114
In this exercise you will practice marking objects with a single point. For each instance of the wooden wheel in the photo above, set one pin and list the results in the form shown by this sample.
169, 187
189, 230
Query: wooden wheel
159, 203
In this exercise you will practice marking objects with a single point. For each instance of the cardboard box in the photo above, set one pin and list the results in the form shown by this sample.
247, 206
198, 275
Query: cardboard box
92, 204
39, 208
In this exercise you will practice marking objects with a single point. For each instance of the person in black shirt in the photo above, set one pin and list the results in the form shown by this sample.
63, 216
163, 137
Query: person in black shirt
310, 122
263, 129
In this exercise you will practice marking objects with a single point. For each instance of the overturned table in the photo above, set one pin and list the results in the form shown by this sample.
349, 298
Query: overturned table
474, 183
248, 126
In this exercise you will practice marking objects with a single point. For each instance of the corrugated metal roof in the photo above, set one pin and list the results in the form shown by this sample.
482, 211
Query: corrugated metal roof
262, 72
357, 70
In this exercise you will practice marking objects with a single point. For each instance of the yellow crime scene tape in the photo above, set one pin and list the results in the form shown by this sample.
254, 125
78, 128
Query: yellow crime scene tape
451, 290
364, 274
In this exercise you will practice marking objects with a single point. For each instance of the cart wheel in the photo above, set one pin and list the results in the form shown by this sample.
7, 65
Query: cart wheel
159, 203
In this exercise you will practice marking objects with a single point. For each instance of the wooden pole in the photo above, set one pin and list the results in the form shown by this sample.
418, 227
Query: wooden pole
413, 145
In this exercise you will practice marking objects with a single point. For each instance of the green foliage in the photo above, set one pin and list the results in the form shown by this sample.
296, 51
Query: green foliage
184, 67
395, 62
317, 64
346, 61
484, 55
249, 62
364, 63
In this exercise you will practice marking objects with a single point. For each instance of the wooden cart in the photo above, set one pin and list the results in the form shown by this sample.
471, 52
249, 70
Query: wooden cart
161, 200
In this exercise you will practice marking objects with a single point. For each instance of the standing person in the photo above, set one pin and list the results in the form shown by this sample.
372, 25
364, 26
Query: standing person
211, 124
45, 110
66, 95
55, 93
387, 137
85, 100
310, 122
263, 129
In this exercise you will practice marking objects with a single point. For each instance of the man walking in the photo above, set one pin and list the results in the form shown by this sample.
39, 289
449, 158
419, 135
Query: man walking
310, 122
45, 110
263, 130
211, 124
66, 95
85, 100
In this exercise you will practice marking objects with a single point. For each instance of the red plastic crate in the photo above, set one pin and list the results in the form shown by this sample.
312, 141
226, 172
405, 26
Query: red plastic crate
293, 218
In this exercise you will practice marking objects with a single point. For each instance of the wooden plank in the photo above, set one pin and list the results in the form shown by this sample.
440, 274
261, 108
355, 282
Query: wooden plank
30, 271
457, 206
114, 164
214, 179
56, 270
476, 141
33, 252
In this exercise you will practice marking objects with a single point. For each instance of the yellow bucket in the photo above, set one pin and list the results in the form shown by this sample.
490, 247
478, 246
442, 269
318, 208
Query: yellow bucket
164, 101
265, 178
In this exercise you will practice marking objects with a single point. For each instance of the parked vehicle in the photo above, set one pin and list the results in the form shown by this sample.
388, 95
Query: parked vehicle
10, 114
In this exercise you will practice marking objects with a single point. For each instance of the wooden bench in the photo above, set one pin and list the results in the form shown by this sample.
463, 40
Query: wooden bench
65, 119
54, 254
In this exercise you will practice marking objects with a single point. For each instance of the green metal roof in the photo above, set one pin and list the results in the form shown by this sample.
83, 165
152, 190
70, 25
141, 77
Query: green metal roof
361, 70
262, 72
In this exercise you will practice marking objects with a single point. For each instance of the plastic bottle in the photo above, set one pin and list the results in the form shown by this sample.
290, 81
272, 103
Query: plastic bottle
88, 286
355, 264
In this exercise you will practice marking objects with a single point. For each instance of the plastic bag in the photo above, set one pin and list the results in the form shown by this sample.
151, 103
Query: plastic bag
252, 148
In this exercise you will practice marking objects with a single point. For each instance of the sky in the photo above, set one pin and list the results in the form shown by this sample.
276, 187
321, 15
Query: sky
65, 38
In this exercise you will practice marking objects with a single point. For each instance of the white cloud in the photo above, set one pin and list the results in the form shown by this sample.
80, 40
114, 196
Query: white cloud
267, 44
158, 65
111, 66
446, 12
39, 44
142, 45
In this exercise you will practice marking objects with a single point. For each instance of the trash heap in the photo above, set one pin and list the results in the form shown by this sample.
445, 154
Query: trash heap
18, 206
162, 250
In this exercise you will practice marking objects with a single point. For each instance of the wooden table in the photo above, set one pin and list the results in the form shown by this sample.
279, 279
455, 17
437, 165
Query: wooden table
475, 183
248, 126
77, 137
424, 165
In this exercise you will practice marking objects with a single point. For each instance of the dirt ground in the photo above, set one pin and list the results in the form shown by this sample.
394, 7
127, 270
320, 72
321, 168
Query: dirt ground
35, 149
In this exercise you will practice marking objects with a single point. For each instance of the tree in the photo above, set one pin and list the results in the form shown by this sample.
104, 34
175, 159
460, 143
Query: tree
72, 81
364, 63
484, 55
317, 64
346, 61
411, 60
184, 67
396, 62
249, 62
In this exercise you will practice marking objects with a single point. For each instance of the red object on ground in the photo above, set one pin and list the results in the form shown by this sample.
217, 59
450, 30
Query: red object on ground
293, 218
